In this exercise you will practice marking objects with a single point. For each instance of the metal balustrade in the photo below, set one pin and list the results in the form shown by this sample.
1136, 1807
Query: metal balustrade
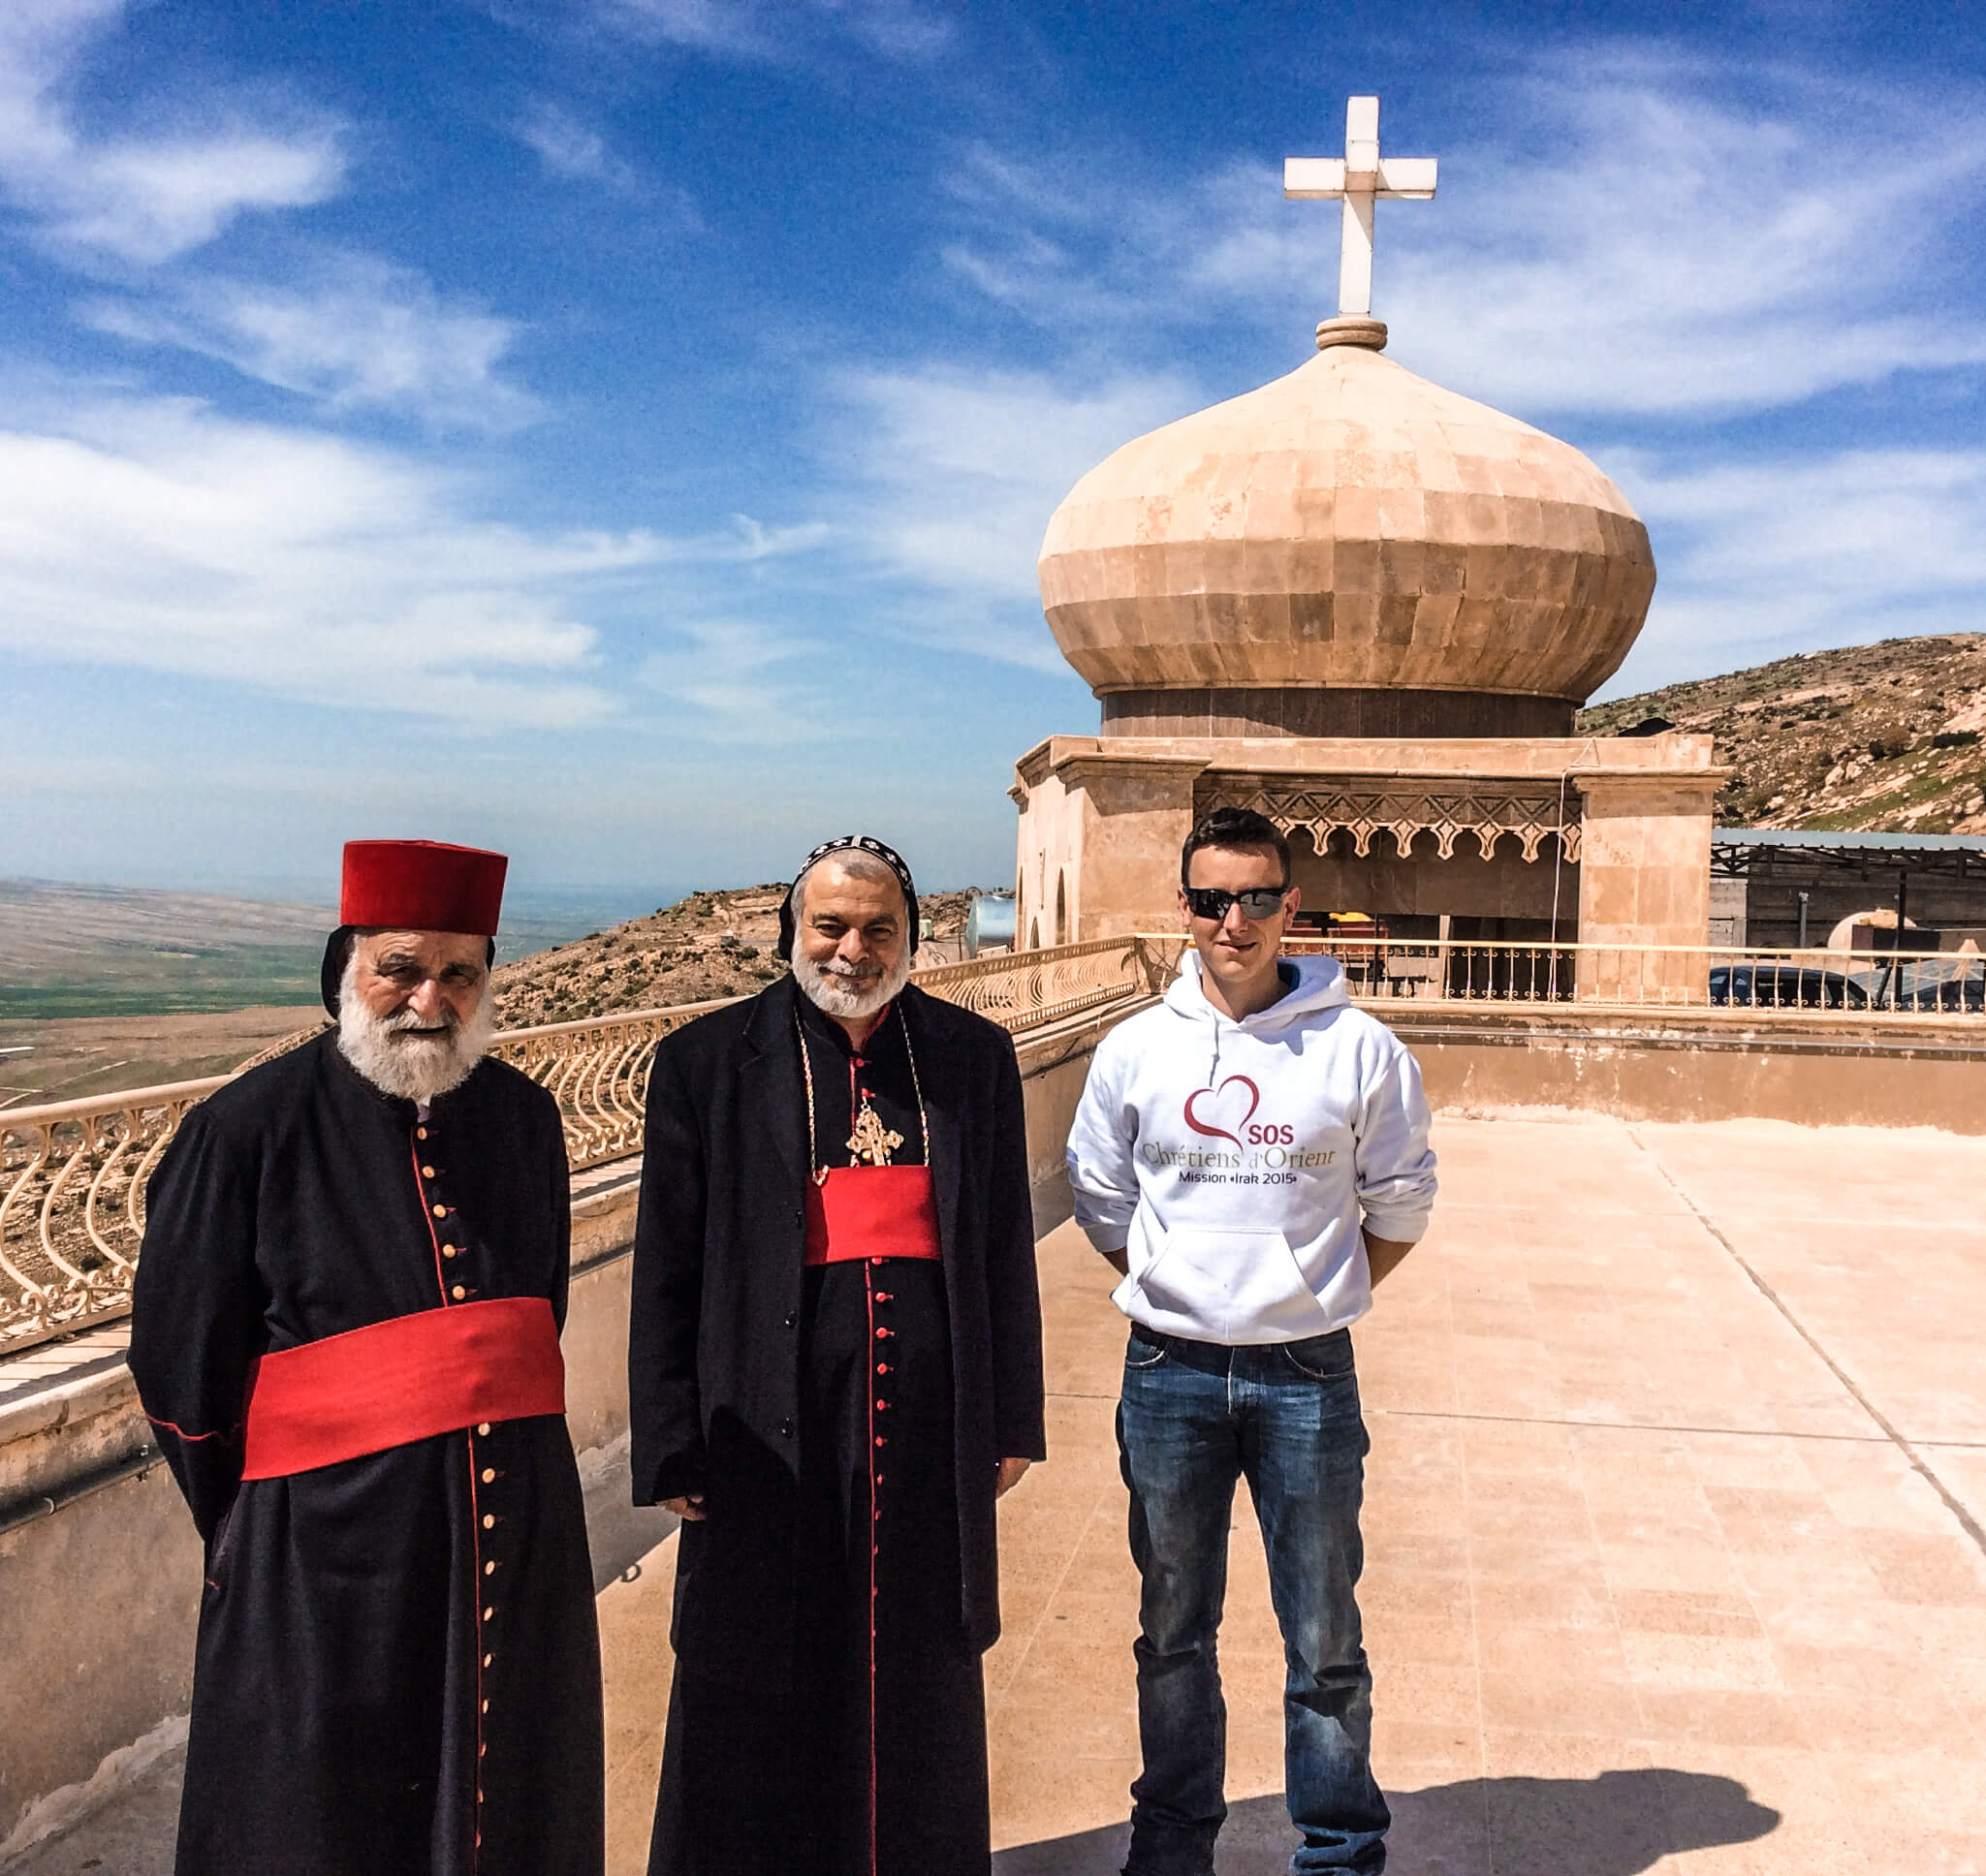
1808, 982
1028, 988
73, 1173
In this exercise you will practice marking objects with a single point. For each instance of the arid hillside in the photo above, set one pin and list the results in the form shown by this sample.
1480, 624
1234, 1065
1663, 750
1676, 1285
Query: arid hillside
708, 945
1882, 739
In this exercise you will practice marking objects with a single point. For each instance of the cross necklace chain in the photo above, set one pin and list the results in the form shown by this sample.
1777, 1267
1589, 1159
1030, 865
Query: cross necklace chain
873, 1141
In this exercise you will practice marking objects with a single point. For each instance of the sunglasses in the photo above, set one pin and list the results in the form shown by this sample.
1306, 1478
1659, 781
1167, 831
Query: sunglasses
1211, 902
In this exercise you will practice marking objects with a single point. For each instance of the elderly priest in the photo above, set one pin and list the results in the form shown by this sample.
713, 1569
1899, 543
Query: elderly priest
346, 1333
835, 1370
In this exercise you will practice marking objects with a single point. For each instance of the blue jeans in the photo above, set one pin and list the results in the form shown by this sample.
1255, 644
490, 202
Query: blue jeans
1194, 1418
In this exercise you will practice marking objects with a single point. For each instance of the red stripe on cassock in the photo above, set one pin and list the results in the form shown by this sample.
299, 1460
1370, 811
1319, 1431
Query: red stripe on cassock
875, 1540
860, 1211
396, 1382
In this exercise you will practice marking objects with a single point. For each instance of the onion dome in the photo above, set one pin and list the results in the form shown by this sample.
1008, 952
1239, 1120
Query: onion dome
1348, 551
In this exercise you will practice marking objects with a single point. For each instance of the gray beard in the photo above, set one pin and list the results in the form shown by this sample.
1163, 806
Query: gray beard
414, 1069
834, 996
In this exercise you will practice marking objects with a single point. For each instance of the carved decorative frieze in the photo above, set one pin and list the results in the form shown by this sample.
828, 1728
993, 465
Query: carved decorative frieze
1320, 804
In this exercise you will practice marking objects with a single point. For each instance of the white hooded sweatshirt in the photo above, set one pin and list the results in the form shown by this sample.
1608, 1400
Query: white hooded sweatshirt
1232, 1161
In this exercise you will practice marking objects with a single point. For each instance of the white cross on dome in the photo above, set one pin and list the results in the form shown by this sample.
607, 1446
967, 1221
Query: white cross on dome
1360, 177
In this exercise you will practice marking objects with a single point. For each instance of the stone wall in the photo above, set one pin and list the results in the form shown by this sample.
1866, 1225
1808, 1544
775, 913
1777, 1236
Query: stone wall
1705, 1065
1946, 892
1644, 879
1101, 819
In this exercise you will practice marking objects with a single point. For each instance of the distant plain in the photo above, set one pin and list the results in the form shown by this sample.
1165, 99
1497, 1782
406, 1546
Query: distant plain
113, 986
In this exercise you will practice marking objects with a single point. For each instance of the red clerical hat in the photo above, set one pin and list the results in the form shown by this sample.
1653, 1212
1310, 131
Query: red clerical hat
421, 885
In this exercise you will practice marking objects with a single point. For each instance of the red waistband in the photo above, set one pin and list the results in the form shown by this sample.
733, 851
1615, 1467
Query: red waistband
864, 1211
407, 1379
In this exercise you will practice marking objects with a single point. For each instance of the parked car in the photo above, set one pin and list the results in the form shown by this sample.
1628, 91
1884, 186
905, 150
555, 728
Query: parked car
1926, 984
1785, 986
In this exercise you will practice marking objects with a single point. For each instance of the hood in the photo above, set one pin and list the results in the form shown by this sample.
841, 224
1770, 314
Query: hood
1319, 985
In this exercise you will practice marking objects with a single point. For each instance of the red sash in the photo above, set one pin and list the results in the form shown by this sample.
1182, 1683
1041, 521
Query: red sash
391, 1383
865, 1211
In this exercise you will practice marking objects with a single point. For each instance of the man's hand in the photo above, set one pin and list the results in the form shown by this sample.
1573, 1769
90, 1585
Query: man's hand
1011, 1473
689, 1509
1383, 1255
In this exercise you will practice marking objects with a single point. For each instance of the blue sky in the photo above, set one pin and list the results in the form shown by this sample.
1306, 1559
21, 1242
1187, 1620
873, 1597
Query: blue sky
622, 431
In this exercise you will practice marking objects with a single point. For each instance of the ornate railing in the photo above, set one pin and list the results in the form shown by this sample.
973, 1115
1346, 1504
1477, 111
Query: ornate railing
1770, 983
1025, 989
599, 1071
73, 1173
72, 1204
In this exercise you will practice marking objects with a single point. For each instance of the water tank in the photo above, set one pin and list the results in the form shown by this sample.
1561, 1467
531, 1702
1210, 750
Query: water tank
990, 923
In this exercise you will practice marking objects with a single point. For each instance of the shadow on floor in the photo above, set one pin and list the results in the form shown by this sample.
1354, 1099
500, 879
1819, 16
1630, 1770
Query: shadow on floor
1618, 1823
618, 1532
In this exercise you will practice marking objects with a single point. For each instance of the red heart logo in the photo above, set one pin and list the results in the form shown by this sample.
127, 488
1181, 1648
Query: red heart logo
1209, 1128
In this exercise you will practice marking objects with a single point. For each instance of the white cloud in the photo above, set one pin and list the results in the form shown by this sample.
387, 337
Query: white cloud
142, 198
1679, 257
955, 473
158, 535
358, 333
1763, 557
1624, 240
571, 150
779, 31
737, 681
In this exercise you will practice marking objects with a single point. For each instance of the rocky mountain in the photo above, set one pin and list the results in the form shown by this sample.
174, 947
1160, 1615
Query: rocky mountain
708, 945
1880, 738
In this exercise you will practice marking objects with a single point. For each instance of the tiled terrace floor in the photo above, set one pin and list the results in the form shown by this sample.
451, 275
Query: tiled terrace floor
1674, 1547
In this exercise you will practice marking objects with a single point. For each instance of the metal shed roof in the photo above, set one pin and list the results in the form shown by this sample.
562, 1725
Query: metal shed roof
1895, 843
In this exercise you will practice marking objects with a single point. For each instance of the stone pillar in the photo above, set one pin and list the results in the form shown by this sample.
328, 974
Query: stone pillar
1099, 836
1644, 879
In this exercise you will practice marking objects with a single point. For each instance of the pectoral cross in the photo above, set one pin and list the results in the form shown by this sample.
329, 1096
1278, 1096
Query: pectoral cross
871, 1141
1361, 178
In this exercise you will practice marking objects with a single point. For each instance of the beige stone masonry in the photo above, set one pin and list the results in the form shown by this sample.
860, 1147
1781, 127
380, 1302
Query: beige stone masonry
1102, 821
1350, 524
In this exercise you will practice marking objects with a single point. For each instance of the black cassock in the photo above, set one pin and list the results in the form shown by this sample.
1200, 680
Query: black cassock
398, 1664
827, 1710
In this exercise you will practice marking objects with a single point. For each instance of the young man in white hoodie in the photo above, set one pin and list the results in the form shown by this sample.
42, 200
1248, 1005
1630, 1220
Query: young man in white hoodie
1252, 1157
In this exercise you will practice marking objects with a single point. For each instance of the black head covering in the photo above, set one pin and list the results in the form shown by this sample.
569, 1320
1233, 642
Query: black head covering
338, 952
859, 843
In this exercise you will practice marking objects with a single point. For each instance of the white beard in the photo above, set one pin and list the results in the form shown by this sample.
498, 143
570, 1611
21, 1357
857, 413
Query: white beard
850, 998
415, 1068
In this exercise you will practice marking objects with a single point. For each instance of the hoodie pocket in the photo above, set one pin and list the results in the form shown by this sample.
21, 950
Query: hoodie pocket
1233, 1285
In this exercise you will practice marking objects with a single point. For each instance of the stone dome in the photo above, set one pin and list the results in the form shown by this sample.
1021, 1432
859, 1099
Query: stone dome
1348, 551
